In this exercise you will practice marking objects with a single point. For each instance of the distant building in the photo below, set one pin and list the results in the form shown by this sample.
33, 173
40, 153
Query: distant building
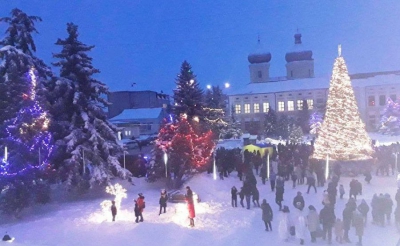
121, 100
137, 112
286, 94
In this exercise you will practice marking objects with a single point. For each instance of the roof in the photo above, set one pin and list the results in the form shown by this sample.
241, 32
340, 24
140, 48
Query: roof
279, 85
137, 114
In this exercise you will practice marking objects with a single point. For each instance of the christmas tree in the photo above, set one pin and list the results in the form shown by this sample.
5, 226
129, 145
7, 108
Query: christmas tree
25, 169
390, 121
86, 139
342, 135
188, 96
215, 110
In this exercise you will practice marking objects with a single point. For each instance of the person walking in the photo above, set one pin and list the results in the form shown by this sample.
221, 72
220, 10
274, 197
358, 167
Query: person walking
241, 195
234, 196
141, 205
327, 218
311, 182
298, 201
267, 215
163, 201
279, 198
256, 197
347, 217
363, 208
190, 205
313, 222
341, 191
272, 180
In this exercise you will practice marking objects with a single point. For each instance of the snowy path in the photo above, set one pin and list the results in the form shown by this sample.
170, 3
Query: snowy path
217, 223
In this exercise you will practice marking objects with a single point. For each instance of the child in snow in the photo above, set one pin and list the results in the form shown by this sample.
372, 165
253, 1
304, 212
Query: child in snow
341, 191
339, 230
113, 210
163, 201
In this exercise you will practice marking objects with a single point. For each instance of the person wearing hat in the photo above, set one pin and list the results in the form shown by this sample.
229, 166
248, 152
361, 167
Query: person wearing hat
141, 205
267, 215
298, 201
190, 205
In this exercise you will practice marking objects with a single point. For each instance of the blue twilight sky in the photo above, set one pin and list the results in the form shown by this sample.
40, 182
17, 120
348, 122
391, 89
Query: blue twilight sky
145, 41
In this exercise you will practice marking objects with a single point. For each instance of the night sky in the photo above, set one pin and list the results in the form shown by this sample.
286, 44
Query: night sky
145, 42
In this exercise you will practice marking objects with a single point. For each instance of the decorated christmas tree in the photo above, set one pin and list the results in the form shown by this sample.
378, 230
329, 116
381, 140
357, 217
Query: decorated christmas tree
390, 121
342, 135
25, 166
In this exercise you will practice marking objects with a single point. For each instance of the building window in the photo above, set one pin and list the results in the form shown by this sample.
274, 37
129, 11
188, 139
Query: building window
320, 100
247, 108
259, 74
382, 100
393, 97
291, 73
299, 104
290, 105
256, 108
281, 106
310, 104
265, 107
371, 101
238, 109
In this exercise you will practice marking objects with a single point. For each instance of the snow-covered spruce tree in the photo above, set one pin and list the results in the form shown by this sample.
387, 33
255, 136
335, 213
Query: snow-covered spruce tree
215, 110
390, 120
295, 134
24, 172
270, 123
315, 122
342, 135
87, 137
188, 96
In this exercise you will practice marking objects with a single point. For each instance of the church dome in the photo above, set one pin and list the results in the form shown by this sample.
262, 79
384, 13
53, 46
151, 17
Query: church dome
259, 55
298, 53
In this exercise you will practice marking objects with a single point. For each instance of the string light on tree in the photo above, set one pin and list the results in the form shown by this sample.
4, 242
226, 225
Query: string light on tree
342, 135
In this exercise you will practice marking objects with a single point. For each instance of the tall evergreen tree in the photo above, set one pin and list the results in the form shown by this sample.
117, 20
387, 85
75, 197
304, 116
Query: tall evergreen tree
90, 140
215, 110
342, 135
188, 96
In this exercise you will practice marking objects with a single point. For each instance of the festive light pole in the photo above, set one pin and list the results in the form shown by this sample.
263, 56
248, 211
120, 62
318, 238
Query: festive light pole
268, 171
327, 167
214, 168
165, 161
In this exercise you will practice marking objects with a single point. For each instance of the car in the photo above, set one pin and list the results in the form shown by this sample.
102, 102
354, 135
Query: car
178, 196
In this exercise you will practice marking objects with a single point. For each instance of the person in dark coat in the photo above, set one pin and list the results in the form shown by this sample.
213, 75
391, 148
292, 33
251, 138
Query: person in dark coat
113, 210
311, 183
141, 206
263, 174
163, 201
298, 201
137, 212
387, 207
397, 197
341, 191
279, 197
241, 195
272, 180
267, 215
363, 208
247, 193
294, 178
353, 189
234, 196
256, 197
332, 192
327, 218
368, 176
347, 217
190, 205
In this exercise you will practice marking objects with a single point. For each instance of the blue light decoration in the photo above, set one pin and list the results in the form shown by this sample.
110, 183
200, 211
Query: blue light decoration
28, 136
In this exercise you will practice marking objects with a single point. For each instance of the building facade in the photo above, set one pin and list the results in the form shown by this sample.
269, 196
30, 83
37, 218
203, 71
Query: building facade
287, 94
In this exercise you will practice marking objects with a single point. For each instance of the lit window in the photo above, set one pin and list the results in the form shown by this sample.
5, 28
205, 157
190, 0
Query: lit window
265, 107
310, 104
281, 106
290, 105
238, 109
371, 101
126, 133
259, 73
247, 108
256, 108
299, 104
382, 100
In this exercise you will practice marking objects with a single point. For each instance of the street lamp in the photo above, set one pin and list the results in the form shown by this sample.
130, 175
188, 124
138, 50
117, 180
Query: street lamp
209, 87
165, 161
227, 85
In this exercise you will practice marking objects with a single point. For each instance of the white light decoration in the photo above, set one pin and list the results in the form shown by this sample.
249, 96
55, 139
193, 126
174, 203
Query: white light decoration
196, 118
166, 161
268, 171
227, 85
119, 192
214, 168
342, 135
191, 81
209, 87
327, 167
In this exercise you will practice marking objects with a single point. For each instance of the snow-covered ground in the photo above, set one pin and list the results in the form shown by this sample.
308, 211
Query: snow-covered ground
217, 223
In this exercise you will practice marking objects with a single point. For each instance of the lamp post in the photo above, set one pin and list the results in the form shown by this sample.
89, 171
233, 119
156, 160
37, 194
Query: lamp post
268, 171
327, 168
5, 153
214, 167
165, 161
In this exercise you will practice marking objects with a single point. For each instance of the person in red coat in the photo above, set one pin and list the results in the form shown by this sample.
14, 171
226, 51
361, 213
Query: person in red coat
140, 206
190, 205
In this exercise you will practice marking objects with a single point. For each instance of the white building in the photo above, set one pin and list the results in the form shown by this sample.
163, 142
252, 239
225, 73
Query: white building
286, 94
